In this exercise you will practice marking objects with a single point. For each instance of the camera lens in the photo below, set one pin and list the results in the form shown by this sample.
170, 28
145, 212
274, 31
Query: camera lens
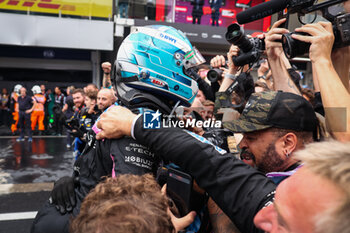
235, 35
293, 48
214, 75
245, 58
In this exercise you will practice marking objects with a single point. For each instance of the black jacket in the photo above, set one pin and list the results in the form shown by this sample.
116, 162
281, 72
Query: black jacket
239, 190
108, 157
111, 157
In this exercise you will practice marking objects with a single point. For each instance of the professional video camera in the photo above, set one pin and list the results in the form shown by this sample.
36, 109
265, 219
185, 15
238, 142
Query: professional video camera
341, 30
291, 47
250, 48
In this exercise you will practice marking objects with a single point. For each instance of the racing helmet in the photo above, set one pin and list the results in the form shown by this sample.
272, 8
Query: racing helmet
17, 88
155, 59
36, 89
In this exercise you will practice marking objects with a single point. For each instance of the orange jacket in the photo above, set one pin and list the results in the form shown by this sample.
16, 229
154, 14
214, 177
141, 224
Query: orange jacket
40, 101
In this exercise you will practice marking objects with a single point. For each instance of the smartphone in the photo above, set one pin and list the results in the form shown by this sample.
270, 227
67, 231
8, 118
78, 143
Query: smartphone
179, 189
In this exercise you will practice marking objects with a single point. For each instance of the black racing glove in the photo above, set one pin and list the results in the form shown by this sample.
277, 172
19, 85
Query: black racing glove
63, 194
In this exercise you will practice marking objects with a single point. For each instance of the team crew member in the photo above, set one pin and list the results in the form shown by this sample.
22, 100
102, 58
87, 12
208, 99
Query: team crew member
105, 98
59, 102
78, 100
38, 113
91, 112
14, 103
26, 106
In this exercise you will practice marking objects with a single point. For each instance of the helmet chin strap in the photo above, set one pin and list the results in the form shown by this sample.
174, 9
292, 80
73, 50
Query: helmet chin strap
174, 108
171, 115
134, 98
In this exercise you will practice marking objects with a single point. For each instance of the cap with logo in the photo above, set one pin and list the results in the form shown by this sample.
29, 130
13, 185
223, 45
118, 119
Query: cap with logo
275, 109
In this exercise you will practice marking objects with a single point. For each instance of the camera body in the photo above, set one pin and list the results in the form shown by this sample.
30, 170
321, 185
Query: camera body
340, 20
341, 30
250, 48
296, 6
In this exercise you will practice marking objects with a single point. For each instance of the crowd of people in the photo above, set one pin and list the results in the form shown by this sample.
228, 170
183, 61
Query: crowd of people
22, 111
67, 110
290, 166
197, 9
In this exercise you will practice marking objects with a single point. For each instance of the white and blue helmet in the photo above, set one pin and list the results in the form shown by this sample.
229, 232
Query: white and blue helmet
154, 59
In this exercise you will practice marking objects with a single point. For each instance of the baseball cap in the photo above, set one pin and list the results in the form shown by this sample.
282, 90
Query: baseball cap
268, 109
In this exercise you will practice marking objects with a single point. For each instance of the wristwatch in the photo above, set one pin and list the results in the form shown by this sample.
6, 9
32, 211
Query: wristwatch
230, 76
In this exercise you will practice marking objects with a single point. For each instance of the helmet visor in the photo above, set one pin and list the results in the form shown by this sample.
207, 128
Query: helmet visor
193, 58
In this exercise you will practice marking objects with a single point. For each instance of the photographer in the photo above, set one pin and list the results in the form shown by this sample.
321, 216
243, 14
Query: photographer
278, 62
335, 97
203, 85
264, 76
240, 75
341, 58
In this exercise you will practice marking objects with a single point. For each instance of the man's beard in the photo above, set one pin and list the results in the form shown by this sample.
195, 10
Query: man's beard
270, 160
79, 105
247, 155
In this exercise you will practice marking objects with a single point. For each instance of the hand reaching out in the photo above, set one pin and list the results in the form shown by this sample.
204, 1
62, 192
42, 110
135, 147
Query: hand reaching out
106, 67
274, 49
321, 39
264, 67
218, 61
180, 223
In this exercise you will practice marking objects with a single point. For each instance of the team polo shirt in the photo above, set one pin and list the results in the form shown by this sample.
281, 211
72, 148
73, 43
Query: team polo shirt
25, 103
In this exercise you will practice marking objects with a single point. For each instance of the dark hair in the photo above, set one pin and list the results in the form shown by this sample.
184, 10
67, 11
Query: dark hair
92, 84
59, 88
78, 90
91, 94
305, 137
246, 85
310, 94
